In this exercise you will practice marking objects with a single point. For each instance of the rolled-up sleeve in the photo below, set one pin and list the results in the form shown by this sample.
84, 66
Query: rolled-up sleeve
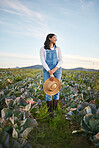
42, 58
60, 60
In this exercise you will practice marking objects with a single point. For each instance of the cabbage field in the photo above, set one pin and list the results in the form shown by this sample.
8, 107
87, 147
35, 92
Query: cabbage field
24, 117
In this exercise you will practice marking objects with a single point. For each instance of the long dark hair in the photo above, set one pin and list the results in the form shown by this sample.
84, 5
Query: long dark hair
47, 41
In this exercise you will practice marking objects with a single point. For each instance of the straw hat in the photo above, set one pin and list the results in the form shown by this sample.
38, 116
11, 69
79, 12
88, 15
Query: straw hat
51, 87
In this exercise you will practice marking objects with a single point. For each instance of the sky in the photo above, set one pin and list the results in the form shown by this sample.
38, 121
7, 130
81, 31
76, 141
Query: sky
24, 25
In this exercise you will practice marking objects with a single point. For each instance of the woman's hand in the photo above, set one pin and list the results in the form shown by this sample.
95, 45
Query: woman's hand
52, 71
52, 77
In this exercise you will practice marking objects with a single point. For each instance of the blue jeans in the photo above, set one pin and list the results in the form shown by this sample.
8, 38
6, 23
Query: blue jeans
57, 74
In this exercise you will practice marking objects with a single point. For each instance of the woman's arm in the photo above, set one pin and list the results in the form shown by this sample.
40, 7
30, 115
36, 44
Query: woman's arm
44, 63
53, 70
43, 59
60, 58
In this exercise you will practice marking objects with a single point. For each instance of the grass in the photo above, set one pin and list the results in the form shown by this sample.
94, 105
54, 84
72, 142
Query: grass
56, 132
51, 130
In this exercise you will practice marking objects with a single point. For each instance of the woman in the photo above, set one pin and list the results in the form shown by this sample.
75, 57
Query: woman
51, 59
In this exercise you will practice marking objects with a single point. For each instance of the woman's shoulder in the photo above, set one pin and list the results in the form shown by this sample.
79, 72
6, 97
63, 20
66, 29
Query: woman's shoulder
57, 47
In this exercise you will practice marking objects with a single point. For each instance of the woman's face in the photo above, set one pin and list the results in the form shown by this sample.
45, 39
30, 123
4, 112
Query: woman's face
53, 39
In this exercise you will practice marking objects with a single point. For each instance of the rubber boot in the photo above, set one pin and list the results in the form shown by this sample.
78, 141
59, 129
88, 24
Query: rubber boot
55, 102
49, 105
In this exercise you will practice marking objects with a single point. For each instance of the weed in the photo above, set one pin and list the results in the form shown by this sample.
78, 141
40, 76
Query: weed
51, 132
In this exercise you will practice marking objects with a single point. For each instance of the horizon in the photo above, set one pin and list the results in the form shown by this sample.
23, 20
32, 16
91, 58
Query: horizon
25, 24
42, 65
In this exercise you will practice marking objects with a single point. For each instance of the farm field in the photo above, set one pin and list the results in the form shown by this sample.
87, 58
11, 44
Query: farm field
24, 118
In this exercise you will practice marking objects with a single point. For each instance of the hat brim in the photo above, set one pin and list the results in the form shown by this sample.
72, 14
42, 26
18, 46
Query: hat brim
51, 92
